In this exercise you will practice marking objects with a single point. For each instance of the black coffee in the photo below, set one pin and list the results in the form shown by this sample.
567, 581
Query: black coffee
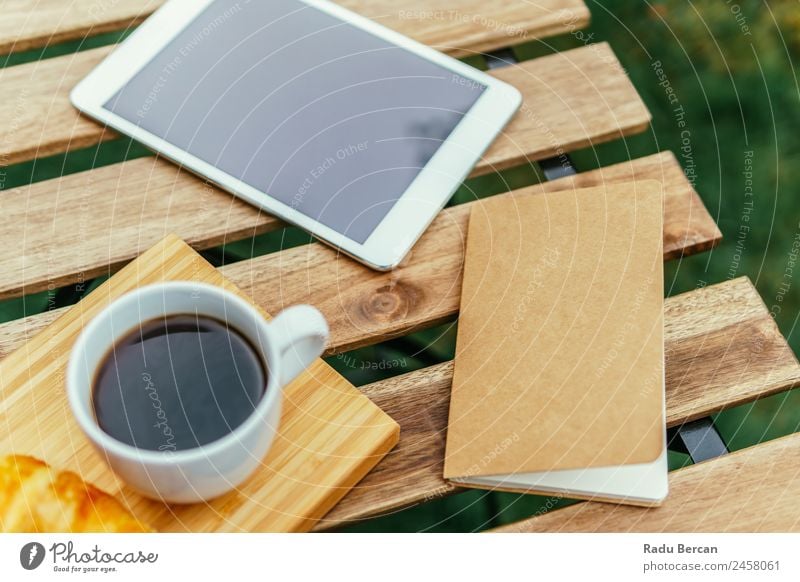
178, 382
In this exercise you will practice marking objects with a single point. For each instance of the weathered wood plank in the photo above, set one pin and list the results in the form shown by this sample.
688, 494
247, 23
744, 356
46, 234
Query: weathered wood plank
711, 364
364, 306
82, 224
461, 27
27, 25
87, 224
571, 100
37, 118
752, 490
555, 117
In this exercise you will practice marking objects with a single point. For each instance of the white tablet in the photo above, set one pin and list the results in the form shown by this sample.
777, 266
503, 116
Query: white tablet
307, 110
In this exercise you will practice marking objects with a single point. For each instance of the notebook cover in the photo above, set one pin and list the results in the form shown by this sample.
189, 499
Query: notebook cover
559, 356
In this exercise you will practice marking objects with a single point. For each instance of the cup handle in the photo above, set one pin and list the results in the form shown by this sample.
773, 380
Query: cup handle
299, 333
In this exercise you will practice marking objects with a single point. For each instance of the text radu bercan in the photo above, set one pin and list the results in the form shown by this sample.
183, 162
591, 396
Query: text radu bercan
678, 549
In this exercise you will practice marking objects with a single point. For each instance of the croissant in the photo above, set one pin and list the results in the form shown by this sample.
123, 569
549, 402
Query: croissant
36, 498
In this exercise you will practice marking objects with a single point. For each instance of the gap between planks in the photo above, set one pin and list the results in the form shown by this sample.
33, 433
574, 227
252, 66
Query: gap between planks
460, 28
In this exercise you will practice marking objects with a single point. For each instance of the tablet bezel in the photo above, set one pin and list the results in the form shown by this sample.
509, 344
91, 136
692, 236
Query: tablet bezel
394, 236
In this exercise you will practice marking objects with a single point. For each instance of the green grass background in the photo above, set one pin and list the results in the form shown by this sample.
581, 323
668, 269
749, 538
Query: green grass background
731, 66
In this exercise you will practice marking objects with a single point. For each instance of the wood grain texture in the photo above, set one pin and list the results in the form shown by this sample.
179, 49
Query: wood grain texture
555, 117
752, 490
38, 118
106, 217
330, 435
462, 27
412, 472
571, 100
363, 306
26, 25
724, 370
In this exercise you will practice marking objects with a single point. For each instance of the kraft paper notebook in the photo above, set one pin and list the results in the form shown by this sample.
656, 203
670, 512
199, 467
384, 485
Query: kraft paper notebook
559, 370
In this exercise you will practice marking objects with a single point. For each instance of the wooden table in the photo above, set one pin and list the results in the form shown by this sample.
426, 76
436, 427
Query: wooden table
723, 348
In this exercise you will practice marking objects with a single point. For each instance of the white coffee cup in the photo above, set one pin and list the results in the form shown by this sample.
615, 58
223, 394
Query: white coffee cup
287, 345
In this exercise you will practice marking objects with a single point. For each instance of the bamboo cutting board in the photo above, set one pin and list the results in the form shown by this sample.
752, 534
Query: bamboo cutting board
330, 435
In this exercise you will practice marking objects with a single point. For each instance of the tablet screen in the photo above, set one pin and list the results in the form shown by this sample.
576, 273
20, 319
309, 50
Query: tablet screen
319, 114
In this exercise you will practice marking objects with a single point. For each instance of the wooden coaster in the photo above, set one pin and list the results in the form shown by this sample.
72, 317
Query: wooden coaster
330, 435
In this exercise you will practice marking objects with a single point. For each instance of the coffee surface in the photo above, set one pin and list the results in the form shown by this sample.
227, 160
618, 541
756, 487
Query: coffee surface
178, 382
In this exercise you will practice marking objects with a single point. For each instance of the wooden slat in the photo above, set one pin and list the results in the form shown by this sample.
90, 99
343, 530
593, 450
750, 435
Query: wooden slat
122, 209
753, 490
359, 302
461, 27
365, 306
571, 100
67, 242
711, 364
37, 117
27, 25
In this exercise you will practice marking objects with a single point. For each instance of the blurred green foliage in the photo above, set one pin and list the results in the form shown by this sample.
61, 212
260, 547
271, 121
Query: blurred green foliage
730, 68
